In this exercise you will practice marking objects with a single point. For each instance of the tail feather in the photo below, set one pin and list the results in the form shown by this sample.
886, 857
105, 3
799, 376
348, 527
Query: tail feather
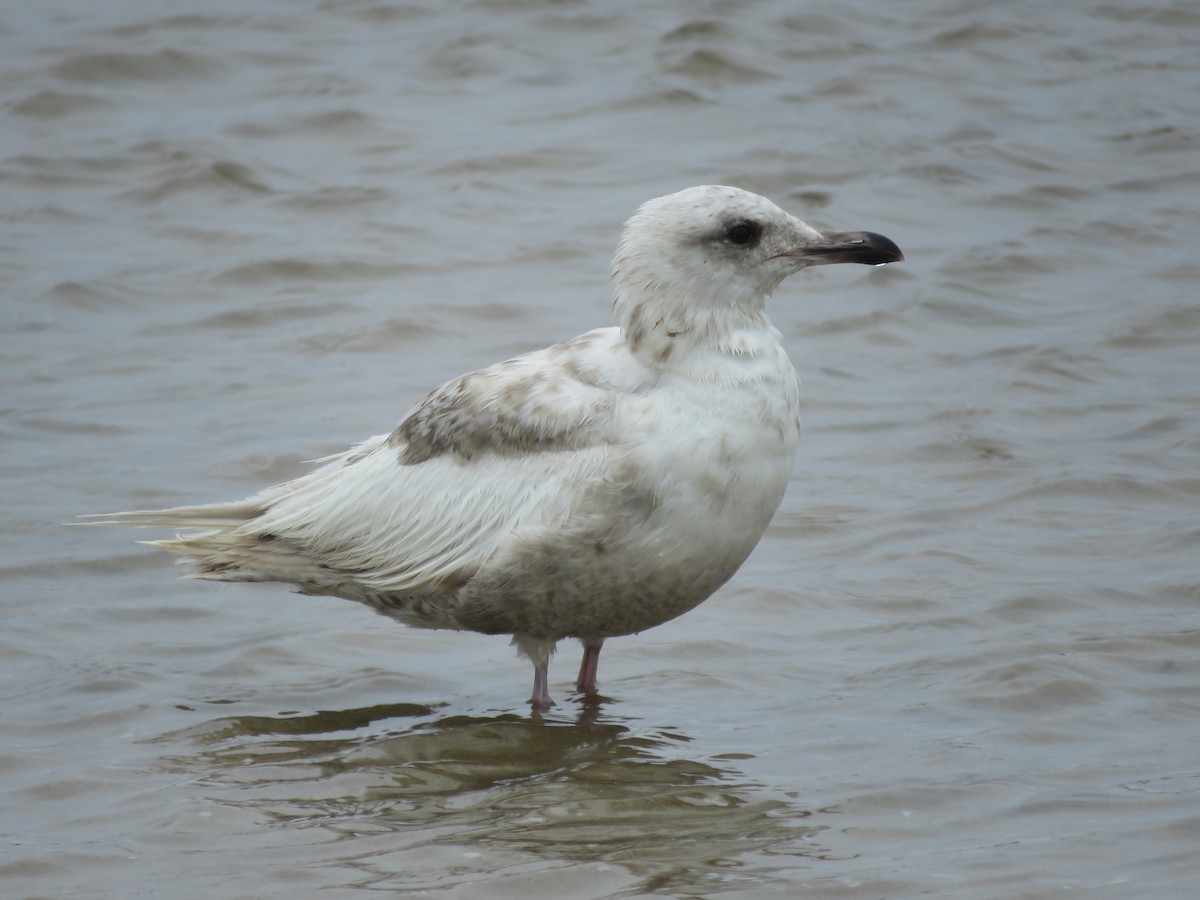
209, 516
232, 542
239, 556
213, 544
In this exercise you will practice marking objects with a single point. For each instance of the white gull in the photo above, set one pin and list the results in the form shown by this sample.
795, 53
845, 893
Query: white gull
592, 489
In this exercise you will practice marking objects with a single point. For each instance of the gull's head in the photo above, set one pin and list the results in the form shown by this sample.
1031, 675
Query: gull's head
715, 246
695, 268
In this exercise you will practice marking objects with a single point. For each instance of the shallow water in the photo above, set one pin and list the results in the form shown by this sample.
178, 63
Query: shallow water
963, 662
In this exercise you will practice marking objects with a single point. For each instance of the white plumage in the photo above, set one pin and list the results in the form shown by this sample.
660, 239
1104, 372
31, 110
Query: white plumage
595, 488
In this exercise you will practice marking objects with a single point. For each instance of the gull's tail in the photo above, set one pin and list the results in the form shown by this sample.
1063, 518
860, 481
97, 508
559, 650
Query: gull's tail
208, 517
215, 544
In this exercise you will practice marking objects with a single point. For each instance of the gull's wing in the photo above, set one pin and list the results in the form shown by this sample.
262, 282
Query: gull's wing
419, 511
557, 399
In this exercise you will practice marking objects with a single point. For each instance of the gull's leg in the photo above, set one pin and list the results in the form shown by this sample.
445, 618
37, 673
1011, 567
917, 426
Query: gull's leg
539, 651
586, 684
541, 699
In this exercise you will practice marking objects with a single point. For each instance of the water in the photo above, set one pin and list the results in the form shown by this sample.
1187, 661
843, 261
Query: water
963, 662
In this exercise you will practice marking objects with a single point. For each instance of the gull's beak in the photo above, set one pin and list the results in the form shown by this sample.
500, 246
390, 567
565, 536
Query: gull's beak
864, 247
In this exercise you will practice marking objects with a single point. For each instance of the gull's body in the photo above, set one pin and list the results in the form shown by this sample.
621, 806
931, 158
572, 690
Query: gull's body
596, 488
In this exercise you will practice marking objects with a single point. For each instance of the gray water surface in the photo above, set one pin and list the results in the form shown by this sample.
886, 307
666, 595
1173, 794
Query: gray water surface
964, 661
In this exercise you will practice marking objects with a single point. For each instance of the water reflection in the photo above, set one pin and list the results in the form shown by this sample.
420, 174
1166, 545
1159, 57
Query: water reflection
556, 790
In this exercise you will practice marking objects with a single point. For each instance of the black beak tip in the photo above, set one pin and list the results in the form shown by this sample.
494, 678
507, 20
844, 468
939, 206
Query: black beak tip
878, 250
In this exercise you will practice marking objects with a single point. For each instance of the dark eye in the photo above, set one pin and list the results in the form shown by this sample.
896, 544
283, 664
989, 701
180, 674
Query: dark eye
744, 234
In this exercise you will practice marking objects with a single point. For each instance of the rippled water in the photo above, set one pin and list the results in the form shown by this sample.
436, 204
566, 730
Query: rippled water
963, 662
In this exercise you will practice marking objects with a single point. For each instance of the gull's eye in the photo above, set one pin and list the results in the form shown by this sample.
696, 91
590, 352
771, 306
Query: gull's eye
744, 234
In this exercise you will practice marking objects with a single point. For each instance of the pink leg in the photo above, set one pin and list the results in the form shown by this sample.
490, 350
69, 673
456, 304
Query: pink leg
539, 651
540, 700
587, 669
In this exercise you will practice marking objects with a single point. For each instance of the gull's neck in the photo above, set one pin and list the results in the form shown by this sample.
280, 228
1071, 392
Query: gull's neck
692, 329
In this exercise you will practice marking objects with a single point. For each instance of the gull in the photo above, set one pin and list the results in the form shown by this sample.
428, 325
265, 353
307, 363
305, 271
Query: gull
592, 489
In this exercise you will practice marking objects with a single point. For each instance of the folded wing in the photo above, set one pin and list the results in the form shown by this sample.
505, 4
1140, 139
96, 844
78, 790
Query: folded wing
419, 511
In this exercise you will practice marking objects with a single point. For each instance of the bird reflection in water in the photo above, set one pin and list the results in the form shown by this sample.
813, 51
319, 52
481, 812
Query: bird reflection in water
558, 788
